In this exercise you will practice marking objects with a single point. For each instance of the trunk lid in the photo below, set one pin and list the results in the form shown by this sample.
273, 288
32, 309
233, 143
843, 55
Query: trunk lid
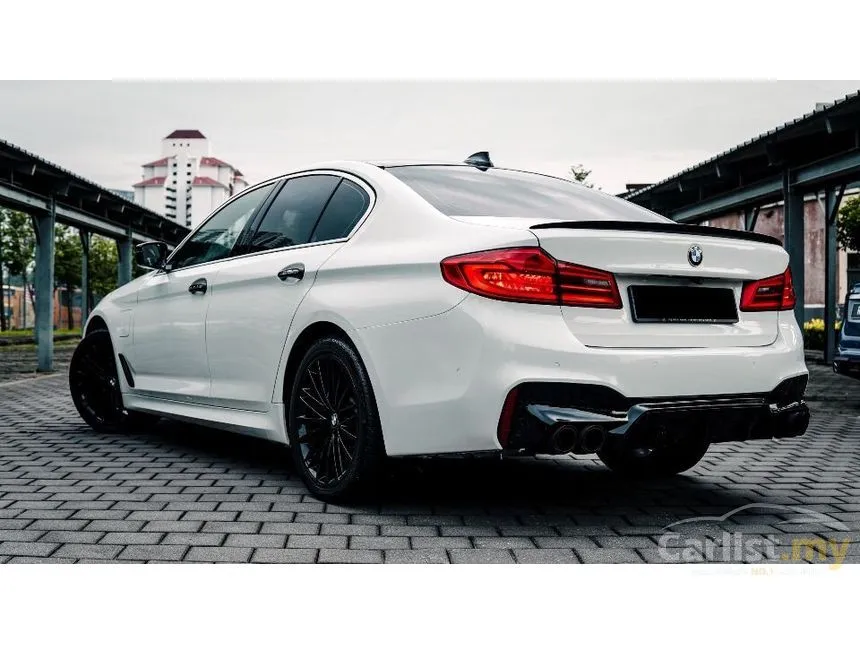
643, 254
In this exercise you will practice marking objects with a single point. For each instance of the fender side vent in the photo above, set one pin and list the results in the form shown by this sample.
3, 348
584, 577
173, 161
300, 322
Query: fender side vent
126, 370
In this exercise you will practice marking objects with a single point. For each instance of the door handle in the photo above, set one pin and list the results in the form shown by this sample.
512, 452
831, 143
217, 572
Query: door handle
198, 286
294, 271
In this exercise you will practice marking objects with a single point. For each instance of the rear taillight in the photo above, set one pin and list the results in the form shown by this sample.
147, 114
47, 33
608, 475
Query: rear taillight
531, 275
769, 294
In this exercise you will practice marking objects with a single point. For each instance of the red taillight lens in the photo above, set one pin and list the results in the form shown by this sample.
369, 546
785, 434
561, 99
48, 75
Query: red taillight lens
531, 275
586, 287
769, 294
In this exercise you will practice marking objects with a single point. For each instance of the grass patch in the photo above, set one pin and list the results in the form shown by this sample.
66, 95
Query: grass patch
29, 333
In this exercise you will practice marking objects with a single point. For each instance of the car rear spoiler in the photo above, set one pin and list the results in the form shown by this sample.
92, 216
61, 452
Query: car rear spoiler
658, 227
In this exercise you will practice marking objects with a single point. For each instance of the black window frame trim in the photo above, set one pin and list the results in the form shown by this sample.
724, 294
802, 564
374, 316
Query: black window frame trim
278, 184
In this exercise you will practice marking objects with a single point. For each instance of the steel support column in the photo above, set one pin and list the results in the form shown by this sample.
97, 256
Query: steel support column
43, 279
794, 242
832, 197
85, 275
124, 247
750, 218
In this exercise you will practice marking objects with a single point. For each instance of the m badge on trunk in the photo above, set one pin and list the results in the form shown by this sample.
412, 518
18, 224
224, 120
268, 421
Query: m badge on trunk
695, 255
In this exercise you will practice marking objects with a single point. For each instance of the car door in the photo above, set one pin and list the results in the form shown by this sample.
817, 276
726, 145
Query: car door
256, 294
168, 357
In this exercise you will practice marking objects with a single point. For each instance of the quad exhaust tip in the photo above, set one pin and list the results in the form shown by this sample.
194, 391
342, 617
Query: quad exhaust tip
582, 439
592, 438
564, 438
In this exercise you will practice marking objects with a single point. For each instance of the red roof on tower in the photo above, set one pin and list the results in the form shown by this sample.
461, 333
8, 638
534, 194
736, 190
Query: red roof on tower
185, 134
157, 162
152, 181
206, 181
213, 161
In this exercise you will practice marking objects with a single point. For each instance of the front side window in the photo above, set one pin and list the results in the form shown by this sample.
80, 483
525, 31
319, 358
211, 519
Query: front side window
294, 213
215, 239
465, 191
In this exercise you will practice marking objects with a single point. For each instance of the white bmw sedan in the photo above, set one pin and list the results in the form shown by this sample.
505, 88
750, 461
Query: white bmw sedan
359, 311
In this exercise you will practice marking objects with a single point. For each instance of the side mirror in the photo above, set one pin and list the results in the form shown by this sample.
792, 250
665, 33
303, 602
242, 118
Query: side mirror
151, 255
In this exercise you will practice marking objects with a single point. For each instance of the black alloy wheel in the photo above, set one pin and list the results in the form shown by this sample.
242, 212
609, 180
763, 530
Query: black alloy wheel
333, 422
95, 386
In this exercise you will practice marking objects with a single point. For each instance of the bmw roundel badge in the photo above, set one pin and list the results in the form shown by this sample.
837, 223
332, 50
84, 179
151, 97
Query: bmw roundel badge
695, 255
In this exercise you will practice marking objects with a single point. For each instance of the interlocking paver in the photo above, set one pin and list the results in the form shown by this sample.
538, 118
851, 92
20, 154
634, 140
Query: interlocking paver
419, 556
174, 492
153, 552
218, 554
194, 539
89, 551
481, 556
257, 540
285, 556
349, 556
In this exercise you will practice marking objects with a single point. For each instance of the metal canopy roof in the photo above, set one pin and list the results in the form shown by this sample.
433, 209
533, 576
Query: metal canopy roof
28, 182
814, 152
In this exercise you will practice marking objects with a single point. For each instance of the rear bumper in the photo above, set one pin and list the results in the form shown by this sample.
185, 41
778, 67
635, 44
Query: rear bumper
540, 428
849, 358
441, 382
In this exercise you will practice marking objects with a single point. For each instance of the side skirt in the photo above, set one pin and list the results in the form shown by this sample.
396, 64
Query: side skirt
265, 425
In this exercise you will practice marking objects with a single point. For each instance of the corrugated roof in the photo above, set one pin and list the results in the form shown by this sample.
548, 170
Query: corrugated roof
817, 113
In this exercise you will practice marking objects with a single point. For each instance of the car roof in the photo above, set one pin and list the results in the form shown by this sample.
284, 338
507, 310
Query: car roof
399, 163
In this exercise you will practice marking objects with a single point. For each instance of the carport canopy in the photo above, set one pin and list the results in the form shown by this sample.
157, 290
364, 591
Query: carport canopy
813, 154
51, 194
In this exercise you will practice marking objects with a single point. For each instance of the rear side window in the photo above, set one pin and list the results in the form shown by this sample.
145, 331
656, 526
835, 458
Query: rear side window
465, 191
344, 209
291, 218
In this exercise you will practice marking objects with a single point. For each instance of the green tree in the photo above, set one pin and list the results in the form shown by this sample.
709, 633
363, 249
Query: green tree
17, 244
579, 174
67, 263
848, 225
103, 263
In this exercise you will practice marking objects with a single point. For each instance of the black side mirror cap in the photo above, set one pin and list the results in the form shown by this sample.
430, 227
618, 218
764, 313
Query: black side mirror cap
151, 255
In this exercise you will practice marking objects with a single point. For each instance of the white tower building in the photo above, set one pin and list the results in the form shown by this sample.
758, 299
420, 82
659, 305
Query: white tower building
186, 183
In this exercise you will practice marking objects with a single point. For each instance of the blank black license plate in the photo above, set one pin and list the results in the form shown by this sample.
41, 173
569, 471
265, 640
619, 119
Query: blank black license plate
662, 304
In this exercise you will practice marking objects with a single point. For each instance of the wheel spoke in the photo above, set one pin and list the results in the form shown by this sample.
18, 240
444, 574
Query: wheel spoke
317, 407
344, 448
319, 387
326, 417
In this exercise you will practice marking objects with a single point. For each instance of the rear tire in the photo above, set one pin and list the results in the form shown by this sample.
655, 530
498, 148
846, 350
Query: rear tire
333, 423
95, 387
663, 461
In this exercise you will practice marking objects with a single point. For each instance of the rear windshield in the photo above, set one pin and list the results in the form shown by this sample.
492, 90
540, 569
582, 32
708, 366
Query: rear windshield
465, 191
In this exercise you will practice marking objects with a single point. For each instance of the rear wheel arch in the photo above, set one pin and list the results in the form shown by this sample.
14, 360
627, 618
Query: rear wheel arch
309, 335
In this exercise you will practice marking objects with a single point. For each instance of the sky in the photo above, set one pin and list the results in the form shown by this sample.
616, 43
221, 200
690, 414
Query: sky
625, 132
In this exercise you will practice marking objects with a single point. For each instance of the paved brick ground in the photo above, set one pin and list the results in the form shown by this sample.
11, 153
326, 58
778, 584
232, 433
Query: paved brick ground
180, 493
19, 361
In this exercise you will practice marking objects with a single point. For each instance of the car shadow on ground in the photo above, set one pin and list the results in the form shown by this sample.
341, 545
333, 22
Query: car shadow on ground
580, 488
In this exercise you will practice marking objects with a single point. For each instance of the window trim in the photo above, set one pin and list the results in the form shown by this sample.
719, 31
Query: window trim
267, 203
213, 214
